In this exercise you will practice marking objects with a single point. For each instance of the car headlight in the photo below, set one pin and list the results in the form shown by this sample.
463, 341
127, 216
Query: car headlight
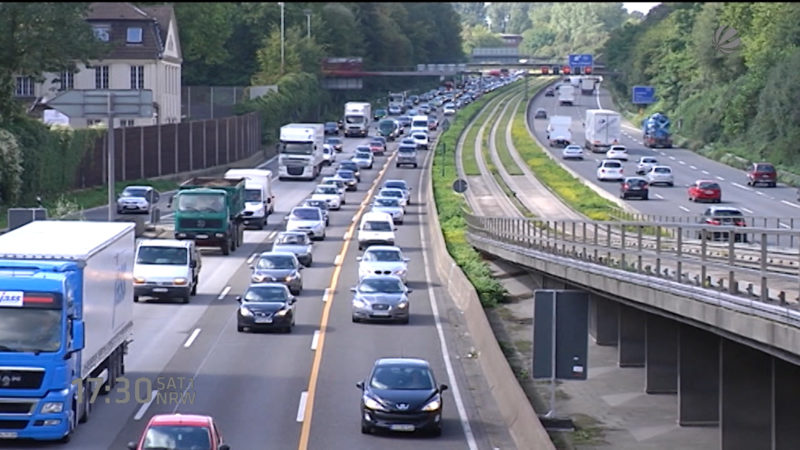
52, 407
179, 281
289, 277
434, 404
400, 272
371, 403
358, 303
139, 280
282, 312
402, 305
245, 312
258, 278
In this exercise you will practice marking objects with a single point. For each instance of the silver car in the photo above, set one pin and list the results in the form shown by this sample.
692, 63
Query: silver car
308, 220
364, 159
644, 164
399, 184
137, 199
294, 242
394, 193
660, 174
391, 206
381, 297
275, 267
383, 260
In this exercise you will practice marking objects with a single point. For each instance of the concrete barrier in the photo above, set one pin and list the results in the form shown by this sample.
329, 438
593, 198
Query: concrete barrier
517, 411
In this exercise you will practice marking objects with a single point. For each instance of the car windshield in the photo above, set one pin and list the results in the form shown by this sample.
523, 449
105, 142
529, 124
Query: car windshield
382, 255
292, 239
162, 255
420, 136
350, 165
354, 119
612, 165
363, 155
327, 190
377, 225
317, 204
398, 377
404, 149
274, 294
394, 185
252, 195
134, 192
391, 202
662, 170
391, 193
636, 181
177, 437
708, 185
346, 174
334, 141
331, 125
726, 212
201, 203
386, 285
765, 168
305, 214
649, 161
275, 262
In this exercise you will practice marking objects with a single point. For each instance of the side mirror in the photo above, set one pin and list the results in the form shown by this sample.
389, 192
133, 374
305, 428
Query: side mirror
278, 147
406, 259
360, 385
78, 338
442, 387
169, 202
224, 447
285, 218
395, 228
352, 289
408, 291
300, 268
292, 301
358, 258
157, 197
239, 298
193, 263
132, 445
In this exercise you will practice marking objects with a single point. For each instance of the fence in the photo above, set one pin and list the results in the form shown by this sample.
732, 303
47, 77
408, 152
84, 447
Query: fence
156, 150
209, 102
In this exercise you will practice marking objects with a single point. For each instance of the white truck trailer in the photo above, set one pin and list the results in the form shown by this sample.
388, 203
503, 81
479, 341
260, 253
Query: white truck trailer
602, 129
558, 131
300, 151
566, 95
357, 116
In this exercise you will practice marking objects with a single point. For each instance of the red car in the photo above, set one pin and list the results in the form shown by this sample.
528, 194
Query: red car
762, 173
377, 147
706, 190
180, 431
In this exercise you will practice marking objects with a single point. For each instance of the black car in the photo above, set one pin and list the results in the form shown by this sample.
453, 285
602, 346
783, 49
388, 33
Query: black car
331, 128
350, 165
349, 178
634, 187
541, 113
336, 143
266, 306
549, 93
401, 394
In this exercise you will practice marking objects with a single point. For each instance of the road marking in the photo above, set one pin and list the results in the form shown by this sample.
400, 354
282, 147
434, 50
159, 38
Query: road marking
356, 216
301, 408
338, 260
705, 172
720, 178
192, 337
784, 225
597, 96
143, 409
347, 236
742, 187
683, 208
681, 163
759, 193
658, 196
790, 204
672, 158
693, 167
326, 294
224, 292
315, 340
747, 211
252, 258
272, 235
462, 413
662, 153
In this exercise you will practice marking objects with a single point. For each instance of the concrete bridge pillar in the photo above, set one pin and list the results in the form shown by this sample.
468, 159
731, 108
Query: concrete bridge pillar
661, 355
631, 339
787, 397
746, 407
603, 320
698, 377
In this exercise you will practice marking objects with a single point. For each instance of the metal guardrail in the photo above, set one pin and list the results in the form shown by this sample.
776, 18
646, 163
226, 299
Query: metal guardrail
670, 251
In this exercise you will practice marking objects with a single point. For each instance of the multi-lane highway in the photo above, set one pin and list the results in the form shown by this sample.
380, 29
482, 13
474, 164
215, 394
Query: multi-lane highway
687, 166
285, 391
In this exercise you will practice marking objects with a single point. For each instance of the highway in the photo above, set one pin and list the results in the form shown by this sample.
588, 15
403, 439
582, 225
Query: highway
687, 166
190, 358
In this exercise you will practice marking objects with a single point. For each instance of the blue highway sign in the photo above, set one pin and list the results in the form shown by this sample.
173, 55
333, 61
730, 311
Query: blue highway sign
580, 61
643, 95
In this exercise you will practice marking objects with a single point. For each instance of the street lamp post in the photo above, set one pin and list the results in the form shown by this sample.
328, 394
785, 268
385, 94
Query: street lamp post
307, 12
282, 38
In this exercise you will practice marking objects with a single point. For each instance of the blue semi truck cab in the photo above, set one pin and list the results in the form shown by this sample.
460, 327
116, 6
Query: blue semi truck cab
66, 310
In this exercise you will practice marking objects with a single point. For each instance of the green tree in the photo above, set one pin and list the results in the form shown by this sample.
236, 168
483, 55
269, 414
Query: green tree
205, 30
479, 36
38, 38
10, 168
471, 13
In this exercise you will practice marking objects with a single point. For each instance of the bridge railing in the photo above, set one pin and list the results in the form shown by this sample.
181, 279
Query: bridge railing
742, 261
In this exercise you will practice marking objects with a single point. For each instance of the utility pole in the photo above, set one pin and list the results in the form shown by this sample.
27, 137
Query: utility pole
307, 12
282, 37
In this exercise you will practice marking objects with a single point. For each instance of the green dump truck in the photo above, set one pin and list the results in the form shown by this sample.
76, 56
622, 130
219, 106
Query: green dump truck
210, 211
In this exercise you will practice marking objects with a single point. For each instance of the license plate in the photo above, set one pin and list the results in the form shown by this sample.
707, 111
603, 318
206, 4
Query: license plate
202, 236
159, 289
402, 427
709, 192
380, 313
8, 435
263, 319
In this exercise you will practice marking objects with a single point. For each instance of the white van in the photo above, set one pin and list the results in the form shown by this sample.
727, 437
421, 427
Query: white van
166, 268
259, 199
376, 228
419, 123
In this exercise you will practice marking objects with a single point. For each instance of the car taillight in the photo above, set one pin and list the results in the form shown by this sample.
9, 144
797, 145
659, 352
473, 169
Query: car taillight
740, 223
625, 186
714, 222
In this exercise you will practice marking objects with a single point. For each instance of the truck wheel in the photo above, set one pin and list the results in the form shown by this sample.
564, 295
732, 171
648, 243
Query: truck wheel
194, 287
135, 299
87, 404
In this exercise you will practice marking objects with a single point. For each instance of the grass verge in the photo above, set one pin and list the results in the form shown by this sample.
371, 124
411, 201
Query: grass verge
468, 157
500, 141
451, 206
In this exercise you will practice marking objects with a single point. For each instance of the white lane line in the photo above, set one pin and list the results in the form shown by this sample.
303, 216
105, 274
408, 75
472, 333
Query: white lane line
597, 95
783, 225
681, 163
143, 409
658, 196
224, 292
462, 412
720, 178
741, 187
693, 167
192, 337
252, 258
326, 294
338, 260
315, 340
662, 153
347, 236
747, 211
705, 172
672, 158
683, 208
790, 204
272, 235
301, 408
351, 220
759, 193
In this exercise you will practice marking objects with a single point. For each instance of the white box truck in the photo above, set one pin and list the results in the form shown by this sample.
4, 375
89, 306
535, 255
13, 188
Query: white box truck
300, 151
587, 86
602, 128
66, 319
566, 94
259, 201
558, 131
357, 116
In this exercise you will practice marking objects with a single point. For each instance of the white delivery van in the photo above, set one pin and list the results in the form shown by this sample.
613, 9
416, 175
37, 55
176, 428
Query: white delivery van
259, 199
419, 123
166, 268
376, 228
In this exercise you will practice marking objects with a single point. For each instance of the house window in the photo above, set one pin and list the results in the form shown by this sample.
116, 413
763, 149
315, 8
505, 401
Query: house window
101, 77
67, 81
137, 77
24, 87
126, 122
171, 45
102, 32
134, 35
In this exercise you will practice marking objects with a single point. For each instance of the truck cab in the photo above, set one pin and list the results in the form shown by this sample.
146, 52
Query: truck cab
300, 150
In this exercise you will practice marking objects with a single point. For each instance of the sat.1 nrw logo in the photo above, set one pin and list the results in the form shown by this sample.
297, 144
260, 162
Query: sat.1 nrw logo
726, 40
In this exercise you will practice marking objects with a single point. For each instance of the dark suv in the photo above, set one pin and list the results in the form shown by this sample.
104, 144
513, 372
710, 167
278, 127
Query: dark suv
723, 216
762, 173
634, 187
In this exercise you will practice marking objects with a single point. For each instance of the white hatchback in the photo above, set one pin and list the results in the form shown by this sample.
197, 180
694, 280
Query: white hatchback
610, 169
644, 164
660, 175
572, 151
617, 152
330, 193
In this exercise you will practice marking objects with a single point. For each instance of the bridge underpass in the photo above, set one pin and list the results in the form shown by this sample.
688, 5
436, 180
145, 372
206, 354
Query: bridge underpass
729, 357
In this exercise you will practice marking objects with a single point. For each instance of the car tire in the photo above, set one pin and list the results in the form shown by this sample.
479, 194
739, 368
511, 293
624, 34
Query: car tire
415, 165
670, 184
355, 319
135, 299
287, 329
400, 222
365, 429
185, 299
436, 431
194, 288
404, 321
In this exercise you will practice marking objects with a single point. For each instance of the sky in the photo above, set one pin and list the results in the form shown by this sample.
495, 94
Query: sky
639, 6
